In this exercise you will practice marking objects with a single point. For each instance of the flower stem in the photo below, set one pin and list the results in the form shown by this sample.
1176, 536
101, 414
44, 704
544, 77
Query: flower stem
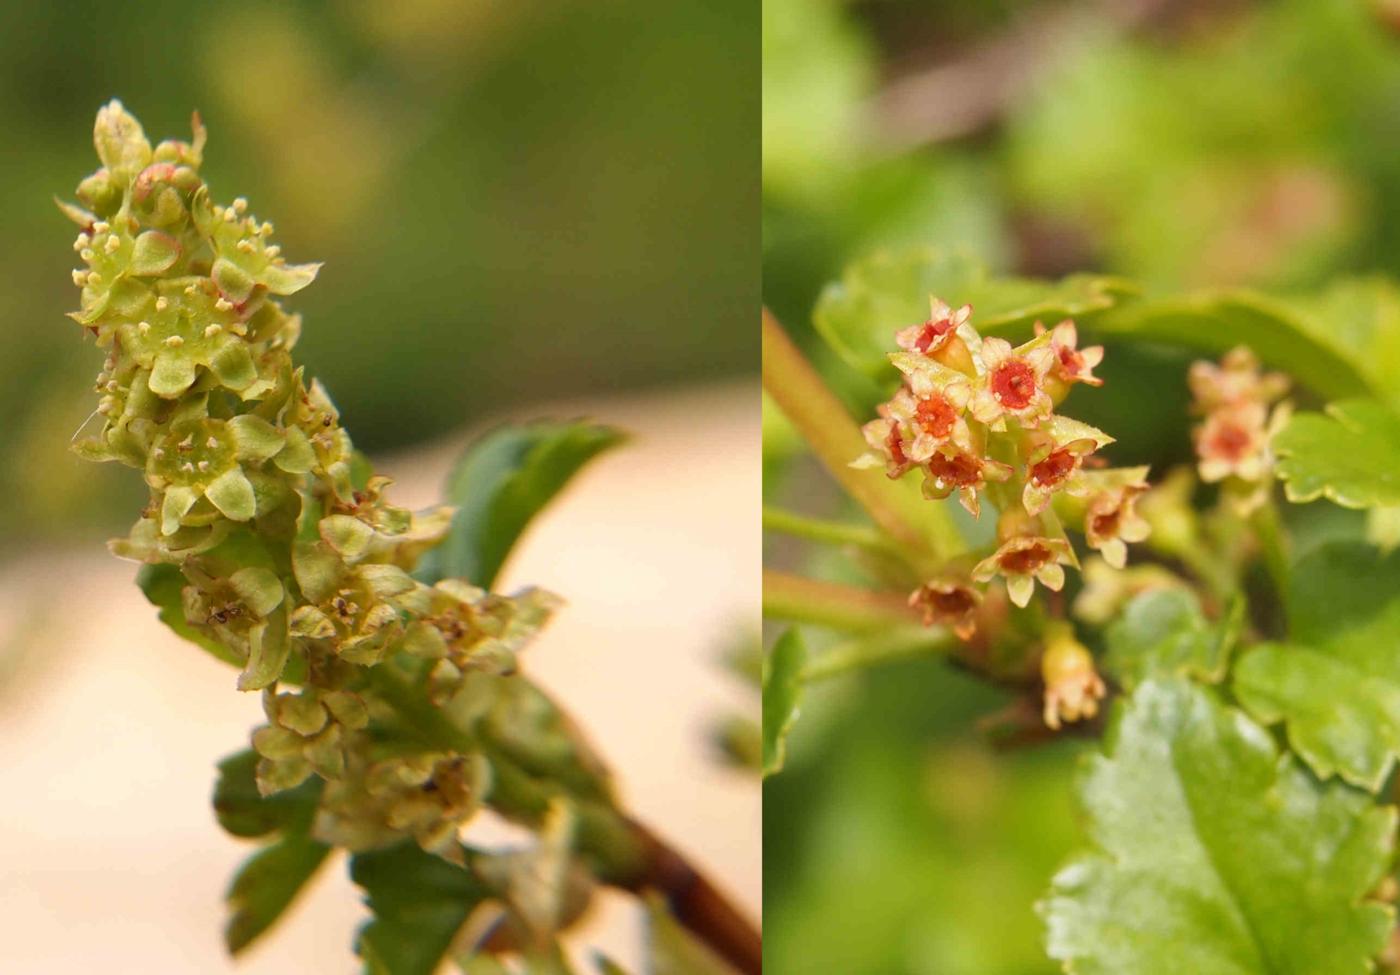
904, 643
1275, 544
825, 532
918, 525
802, 600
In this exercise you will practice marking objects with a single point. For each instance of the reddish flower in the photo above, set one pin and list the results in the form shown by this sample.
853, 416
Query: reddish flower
1072, 364
950, 603
1111, 520
929, 337
1023, 559
1233, 441
954, 468
1013, 384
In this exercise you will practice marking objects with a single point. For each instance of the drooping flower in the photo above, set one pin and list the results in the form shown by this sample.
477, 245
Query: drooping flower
1072, 364
931, 336
1073, 687
1014, 384
1054, 455
888, 448
1022, 560
948, 602
953, 468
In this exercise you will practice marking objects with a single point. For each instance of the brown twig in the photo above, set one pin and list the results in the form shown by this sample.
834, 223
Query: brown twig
698, 904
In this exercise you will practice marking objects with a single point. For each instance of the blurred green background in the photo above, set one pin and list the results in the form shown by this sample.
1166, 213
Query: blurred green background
517, 201
1184, 144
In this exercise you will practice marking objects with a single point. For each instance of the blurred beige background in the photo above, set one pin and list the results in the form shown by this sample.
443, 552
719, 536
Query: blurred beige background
110, 858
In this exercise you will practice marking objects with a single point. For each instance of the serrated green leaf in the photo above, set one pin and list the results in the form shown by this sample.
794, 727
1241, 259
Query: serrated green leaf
502, 481
672, 950
1337, 685
1213, 854
1164, 633
875, 297
1350, 455
269, 880
782, 695
418, 900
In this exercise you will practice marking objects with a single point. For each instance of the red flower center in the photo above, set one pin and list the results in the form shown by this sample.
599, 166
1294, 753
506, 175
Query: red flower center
933, 334
1013, 384
1106, 525
936, 416
1230, 440
1024, 561
1071, 362
961, 469
895, 445
950, 603
1055, 468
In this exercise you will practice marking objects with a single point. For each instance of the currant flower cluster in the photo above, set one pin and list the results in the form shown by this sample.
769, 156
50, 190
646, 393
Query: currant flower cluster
1240, 407
294, 564
977, 417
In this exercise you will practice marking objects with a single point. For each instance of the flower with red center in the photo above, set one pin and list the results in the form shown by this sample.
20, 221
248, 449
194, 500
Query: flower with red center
1054, 456
1233, 441
1013, 384
1111, 521
1072, 364
931, 336
885, 437
1236, 381
1022, 560
1073, 687
954, 468
950, 603
930, 406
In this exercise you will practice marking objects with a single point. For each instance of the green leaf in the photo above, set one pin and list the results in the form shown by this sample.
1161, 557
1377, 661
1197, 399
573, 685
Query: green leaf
673, 950
1214, 854
270, 879
1215, 322
418, 900
1164, 633
1350, 455
889, 290
1338, 684
782, 694
502, 481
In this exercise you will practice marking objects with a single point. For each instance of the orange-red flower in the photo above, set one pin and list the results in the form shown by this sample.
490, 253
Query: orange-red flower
1072, 364
1022, 560
948, 602
1014, 384
953, 467
931, 336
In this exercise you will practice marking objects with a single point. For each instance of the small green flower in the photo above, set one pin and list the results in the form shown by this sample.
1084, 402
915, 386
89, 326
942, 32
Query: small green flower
199, 464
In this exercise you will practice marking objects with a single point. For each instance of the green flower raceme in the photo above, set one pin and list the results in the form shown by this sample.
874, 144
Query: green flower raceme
288, 558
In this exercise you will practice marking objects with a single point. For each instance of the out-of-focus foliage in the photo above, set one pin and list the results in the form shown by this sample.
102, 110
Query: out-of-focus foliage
1244, 154
517, 201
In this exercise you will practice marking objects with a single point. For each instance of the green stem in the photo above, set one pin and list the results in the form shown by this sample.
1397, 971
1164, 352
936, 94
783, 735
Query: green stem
800, 392
1273, 539
826, 532
801, 600
905, 643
